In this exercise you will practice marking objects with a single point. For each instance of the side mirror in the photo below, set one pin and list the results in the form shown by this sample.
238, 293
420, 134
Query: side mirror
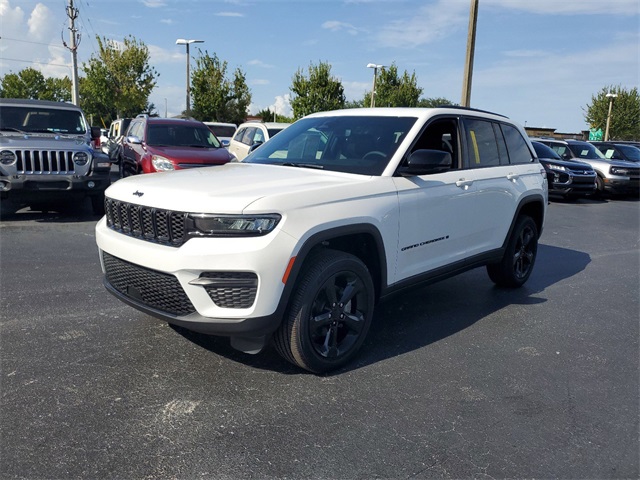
254, 146
424, 162
133, 139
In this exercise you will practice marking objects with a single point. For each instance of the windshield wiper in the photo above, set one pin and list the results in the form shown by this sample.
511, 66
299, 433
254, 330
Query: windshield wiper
303, 165
10, 129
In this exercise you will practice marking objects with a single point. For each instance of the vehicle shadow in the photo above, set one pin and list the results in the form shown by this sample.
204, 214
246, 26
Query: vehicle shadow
72, 211
425, 315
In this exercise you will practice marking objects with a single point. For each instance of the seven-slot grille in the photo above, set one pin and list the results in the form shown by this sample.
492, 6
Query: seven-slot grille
154, 225
157, 290
45, 162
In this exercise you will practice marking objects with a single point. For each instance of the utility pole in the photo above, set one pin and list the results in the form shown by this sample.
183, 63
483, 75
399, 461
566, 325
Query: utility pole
74, 41
471, 46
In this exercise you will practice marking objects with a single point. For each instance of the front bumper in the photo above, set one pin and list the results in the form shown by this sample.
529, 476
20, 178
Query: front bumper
32, 186
175, 283
622, 184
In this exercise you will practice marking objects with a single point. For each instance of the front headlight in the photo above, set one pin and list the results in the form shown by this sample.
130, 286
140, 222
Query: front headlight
162, 164
7, 157
557, 167
81, 158
619, 171
232, 225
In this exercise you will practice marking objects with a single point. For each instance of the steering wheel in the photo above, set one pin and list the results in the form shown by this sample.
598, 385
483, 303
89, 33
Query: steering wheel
374, 154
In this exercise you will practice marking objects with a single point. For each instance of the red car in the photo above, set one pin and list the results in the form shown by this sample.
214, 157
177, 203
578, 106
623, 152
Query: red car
164, 144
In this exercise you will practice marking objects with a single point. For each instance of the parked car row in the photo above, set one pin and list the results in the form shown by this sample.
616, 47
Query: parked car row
150, 144
569, 171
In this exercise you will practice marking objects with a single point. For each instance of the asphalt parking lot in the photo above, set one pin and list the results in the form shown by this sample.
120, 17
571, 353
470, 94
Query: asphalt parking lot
456, 380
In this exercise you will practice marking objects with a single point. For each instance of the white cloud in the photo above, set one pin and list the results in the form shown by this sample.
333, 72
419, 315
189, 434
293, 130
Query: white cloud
229, 14
428, 24
154, 3
336, 26
259, 63
569, 7
40, 27
168, 21
282, 105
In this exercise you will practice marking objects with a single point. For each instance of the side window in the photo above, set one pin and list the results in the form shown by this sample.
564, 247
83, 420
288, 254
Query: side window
135, 129
247, 138
238, 136
441, 134
518, 150
502, 146
258, 137
481, 143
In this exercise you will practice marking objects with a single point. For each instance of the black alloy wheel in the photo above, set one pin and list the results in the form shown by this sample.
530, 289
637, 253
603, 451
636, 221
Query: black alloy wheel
519, 257
330, 313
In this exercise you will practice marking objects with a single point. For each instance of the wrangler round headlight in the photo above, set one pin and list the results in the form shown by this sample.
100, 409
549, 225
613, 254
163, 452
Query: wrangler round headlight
233, 225
81, 158
7, 157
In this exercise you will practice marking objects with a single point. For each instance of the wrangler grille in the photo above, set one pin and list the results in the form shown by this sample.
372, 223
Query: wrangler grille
45, 162
154, 225
154, 289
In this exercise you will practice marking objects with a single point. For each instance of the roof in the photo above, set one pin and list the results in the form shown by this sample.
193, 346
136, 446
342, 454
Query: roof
419, 112
39, 103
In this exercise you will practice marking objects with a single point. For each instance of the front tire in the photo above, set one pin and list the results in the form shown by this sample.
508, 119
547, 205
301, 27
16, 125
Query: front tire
520, 256
329, 313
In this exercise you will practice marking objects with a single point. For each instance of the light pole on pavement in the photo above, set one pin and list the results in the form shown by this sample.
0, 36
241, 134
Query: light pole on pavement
375, 74
610, 96
182, 41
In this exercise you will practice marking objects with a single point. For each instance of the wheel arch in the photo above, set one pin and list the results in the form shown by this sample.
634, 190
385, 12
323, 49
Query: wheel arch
361, 240
534, 207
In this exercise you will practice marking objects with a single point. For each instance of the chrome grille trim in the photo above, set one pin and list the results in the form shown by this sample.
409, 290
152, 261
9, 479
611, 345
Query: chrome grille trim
45, 162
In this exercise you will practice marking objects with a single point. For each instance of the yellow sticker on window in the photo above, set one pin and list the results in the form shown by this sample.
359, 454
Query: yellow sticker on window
475, 147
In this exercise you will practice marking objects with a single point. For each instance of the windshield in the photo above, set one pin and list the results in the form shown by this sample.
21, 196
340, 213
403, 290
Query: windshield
542, 151
41, 120
632, 153
167, 135
586, 150
222, 130
356, 144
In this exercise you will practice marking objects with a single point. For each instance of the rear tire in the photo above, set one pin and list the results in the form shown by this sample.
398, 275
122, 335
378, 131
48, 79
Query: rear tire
329, 313
519, 257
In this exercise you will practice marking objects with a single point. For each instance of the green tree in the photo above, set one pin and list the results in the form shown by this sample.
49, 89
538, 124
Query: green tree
435, 102
216, 97
118, 80
317, 92
268, 116
625, 114
393, 90
31, 83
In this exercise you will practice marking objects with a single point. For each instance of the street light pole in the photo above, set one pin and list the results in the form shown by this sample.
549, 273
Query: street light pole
610, 96
471, 47
375, 75
182, 41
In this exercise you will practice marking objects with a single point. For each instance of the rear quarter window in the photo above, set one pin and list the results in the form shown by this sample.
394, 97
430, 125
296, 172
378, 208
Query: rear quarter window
516, 145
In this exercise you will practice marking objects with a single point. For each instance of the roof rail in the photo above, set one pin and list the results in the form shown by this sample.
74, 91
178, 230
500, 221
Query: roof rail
142, 115
458, 107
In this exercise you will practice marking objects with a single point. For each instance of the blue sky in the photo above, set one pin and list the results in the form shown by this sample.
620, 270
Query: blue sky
536, 61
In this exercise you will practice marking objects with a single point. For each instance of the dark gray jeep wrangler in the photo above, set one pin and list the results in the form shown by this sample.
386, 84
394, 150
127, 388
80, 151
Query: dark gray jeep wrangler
47, 153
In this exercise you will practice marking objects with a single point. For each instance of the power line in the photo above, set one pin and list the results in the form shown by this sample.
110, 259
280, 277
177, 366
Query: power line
27, 41
31, 61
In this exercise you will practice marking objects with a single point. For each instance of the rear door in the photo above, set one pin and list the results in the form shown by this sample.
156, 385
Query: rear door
503, 168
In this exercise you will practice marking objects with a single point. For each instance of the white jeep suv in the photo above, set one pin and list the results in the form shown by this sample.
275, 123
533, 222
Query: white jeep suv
298, 243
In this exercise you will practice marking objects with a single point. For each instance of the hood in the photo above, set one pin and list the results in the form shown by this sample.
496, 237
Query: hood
570, 164
228, 188
191, 155
42, 140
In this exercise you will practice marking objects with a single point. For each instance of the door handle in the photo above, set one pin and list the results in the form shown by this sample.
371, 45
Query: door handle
465, 184
513, 177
